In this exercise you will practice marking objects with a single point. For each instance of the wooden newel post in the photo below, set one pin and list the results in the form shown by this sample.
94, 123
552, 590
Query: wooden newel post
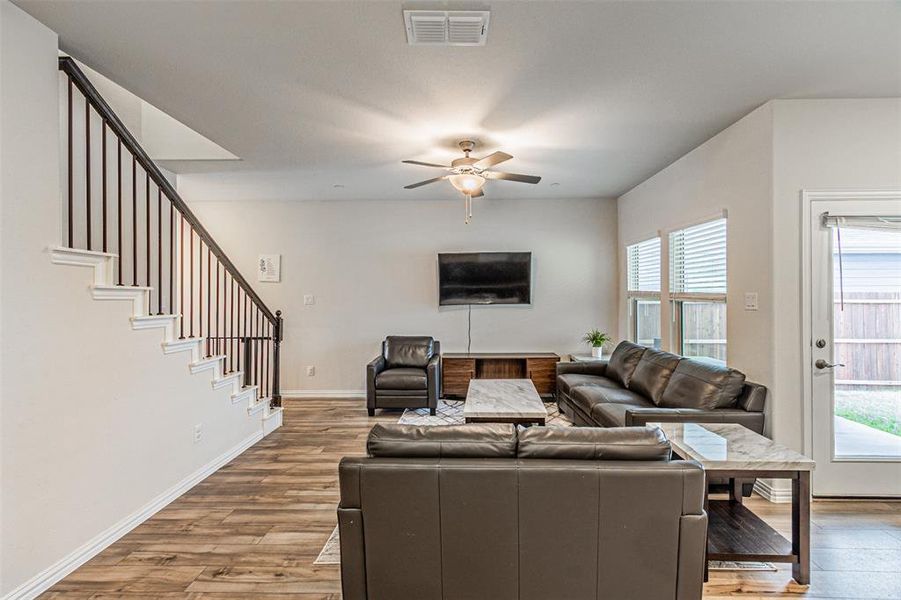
276, 362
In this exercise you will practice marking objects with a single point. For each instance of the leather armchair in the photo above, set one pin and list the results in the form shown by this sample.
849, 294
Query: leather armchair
407, 374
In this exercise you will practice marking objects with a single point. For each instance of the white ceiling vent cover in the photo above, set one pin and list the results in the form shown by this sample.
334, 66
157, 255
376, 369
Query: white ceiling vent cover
446, 28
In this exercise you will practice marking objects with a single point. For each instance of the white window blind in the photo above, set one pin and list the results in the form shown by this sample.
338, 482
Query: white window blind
698, 261
644, 267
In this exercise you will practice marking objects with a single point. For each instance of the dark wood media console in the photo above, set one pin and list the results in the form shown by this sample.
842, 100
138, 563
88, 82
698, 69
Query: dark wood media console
458, 369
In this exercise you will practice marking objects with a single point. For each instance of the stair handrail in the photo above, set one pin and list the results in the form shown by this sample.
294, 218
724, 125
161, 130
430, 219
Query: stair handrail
68, 65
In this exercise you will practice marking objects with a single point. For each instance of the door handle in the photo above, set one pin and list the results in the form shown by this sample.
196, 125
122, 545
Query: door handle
822, 364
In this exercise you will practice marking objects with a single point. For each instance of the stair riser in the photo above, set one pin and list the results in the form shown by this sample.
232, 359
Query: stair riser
104, 288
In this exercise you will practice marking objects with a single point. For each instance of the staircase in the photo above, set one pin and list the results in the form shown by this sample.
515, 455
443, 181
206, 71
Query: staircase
123, 219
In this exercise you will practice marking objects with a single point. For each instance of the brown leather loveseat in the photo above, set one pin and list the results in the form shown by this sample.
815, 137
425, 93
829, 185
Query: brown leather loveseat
494, 512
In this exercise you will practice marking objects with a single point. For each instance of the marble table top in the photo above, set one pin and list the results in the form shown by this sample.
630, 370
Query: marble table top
503, 398
731, 447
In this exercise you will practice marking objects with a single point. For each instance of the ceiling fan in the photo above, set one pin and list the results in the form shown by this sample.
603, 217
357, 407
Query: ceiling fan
469, 174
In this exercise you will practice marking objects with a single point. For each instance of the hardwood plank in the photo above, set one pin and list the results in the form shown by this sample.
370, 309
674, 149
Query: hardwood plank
254, 528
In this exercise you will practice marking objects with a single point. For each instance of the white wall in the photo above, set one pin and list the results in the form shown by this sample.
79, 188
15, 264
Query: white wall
96, 421
820, 145
757, 169
371, 266
732, 172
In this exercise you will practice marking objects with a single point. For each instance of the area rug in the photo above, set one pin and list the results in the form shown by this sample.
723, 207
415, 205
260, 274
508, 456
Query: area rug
331, 552
450, 412
331, 555
731, 565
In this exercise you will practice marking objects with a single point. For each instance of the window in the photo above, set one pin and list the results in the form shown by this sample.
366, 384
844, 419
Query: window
698, 290
644, 291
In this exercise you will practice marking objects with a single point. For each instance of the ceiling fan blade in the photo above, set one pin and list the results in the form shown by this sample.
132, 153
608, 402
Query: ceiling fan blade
491, 160
424, 164
511, 176
426, 182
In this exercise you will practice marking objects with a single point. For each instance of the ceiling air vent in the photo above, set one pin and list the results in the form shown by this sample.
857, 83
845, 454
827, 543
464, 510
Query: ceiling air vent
446, 28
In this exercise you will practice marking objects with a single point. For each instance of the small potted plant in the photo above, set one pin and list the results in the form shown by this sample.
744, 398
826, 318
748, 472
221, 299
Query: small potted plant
598, 339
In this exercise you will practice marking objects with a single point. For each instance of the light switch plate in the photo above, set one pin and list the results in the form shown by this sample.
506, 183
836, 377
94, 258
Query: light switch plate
751, 301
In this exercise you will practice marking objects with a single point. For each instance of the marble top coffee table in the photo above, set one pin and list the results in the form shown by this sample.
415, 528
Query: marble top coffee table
503, 401
734, 452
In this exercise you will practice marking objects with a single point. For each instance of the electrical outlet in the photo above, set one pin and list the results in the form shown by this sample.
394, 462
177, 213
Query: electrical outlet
751, 301
311, 371
198, 432
309, 299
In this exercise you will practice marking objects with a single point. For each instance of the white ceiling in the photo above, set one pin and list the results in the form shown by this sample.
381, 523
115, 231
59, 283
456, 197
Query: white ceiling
594, 96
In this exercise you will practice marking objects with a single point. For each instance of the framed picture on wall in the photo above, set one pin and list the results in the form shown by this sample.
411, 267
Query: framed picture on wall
269, 268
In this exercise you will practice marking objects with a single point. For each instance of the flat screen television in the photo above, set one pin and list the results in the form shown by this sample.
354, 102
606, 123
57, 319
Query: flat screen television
485, 278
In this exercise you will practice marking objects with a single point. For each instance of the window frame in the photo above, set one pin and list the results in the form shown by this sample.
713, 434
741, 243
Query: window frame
633, 297
678, 298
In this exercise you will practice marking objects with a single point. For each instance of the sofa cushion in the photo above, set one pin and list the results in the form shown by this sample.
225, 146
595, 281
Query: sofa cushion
653, 373
593, 443
623, 362
587, 396
702, 384
568, 381
484, 440
408, 351
610, 415
401, 379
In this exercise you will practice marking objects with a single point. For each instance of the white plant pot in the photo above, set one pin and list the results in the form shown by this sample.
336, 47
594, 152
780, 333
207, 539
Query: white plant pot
597, 351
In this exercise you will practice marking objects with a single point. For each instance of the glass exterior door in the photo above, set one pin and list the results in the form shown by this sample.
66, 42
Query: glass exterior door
856, 350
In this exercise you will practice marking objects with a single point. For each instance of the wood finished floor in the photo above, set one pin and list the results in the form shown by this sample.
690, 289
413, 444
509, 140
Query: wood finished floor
254, 528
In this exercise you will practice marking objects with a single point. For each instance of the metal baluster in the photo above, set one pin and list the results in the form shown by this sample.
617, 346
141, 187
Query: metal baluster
191, 282
119, 213
266, 363
258, 331
134, 221
218, 322
181, 277
209, 298
103, 168
147, 210
70, 223
231, 323
159, 249
87, 163
240, 333
200, 288
172, 258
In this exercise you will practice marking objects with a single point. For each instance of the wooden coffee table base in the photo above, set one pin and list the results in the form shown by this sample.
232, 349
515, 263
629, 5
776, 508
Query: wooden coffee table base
734, 533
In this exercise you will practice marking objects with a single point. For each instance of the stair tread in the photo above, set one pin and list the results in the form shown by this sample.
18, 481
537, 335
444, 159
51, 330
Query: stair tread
232, 374
153, 317
83, 251
122, 287
209, 359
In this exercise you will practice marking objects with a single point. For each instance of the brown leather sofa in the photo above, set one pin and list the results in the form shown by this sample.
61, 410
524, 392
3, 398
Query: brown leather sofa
407, 374
489, 511
642, 385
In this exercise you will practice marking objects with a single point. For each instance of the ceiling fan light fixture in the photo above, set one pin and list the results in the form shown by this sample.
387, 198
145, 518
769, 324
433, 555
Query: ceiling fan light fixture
467, 183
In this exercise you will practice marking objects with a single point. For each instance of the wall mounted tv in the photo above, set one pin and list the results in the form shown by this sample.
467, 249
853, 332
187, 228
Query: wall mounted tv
485, 278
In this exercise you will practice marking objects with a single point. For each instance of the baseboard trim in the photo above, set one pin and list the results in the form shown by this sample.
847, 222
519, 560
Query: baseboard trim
774, 493
54, 573
324, 394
